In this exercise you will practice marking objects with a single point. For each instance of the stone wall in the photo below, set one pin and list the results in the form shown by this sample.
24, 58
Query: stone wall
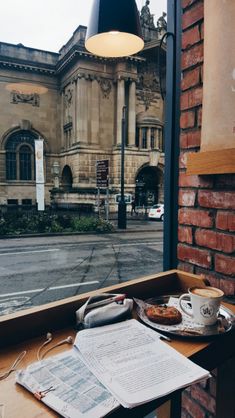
206, 203
79, 114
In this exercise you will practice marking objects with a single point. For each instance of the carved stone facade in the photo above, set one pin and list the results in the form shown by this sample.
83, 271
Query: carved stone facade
77, 110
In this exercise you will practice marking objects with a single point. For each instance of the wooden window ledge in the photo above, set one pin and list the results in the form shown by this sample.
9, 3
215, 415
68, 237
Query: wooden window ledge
211, 162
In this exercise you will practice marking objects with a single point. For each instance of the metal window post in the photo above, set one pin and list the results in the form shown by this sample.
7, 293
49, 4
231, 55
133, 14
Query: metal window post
172, 117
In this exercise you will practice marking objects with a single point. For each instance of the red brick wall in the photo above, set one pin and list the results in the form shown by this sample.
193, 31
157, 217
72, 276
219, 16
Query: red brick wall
206, 203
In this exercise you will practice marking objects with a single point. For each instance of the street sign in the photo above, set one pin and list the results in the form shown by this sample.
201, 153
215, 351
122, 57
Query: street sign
127, 198
102, 173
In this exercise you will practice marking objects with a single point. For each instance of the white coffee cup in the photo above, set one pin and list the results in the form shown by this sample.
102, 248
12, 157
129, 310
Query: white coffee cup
205, 302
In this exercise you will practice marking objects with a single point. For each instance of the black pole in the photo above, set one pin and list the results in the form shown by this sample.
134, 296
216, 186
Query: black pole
172, 135
122, 203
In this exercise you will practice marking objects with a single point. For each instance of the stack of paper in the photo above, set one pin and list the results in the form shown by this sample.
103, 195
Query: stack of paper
124, 363
134, 364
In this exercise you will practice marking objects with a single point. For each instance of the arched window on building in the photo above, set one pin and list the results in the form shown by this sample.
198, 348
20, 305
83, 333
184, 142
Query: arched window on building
20, 161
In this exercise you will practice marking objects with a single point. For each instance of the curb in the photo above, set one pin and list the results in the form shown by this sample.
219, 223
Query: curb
60, 234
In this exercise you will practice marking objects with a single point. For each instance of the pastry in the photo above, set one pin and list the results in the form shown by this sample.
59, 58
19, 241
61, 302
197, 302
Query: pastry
165, 315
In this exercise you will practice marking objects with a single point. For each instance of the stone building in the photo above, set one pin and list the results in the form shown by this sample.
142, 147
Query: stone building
74, 101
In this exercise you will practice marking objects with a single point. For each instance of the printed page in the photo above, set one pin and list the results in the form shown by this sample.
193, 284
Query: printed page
134, 364
74, 390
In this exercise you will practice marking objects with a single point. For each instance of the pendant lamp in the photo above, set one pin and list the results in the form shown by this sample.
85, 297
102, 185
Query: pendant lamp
114, 29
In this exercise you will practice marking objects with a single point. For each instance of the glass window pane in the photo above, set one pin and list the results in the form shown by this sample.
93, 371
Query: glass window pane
25, 163
144, 138
11, 166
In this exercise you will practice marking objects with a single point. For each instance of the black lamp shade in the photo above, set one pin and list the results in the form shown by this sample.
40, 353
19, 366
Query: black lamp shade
114, 29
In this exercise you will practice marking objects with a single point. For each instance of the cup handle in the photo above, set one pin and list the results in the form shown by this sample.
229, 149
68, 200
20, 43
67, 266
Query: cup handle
182, 297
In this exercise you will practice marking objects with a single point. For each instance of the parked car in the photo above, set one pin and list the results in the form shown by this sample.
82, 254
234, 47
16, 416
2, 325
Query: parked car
156, 212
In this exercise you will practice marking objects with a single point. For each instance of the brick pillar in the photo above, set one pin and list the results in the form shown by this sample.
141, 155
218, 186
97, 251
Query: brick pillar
206, 203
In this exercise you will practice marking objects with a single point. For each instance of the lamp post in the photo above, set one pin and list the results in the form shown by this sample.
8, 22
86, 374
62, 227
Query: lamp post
122, 203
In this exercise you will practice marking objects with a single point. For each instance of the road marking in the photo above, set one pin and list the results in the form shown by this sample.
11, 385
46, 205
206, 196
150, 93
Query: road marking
50, 288
31, 252
138, 243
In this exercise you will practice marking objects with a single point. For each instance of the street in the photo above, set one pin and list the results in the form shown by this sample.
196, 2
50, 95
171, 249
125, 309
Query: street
38, 270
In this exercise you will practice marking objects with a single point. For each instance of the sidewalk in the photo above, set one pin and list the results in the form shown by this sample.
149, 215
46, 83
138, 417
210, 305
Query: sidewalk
135, 224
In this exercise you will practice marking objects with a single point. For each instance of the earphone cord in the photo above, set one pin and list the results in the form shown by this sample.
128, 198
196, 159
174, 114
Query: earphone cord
13, 366
41, 347
68, 340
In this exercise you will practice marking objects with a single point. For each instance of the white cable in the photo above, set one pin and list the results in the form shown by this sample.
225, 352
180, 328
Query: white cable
13, 366
48, 340
68, 340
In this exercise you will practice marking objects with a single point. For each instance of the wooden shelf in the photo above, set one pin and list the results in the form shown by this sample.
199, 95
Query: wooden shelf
212, 162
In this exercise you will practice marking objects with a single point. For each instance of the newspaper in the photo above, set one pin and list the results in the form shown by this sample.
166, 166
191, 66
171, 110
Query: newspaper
69, 387
134, 364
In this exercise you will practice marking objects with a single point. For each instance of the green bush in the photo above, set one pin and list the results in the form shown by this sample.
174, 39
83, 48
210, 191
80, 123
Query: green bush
28, 223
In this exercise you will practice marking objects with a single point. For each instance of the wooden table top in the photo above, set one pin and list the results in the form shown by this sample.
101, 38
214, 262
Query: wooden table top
13, 398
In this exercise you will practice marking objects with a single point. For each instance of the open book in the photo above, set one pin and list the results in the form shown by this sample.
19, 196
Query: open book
125, 363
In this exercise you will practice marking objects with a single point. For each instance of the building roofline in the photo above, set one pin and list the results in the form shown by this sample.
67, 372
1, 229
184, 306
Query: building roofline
29, 47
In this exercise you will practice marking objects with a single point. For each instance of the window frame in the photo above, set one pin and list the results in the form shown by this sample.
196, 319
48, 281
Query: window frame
13, 146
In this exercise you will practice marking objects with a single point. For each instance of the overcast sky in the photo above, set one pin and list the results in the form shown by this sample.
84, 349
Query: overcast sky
48, 24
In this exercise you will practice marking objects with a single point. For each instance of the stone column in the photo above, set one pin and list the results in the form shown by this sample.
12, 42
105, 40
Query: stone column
74, 111
140, 138
160, 139
62, 119
148, 138
132, 115
82, 110
120, 104
95, 112
157, 138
